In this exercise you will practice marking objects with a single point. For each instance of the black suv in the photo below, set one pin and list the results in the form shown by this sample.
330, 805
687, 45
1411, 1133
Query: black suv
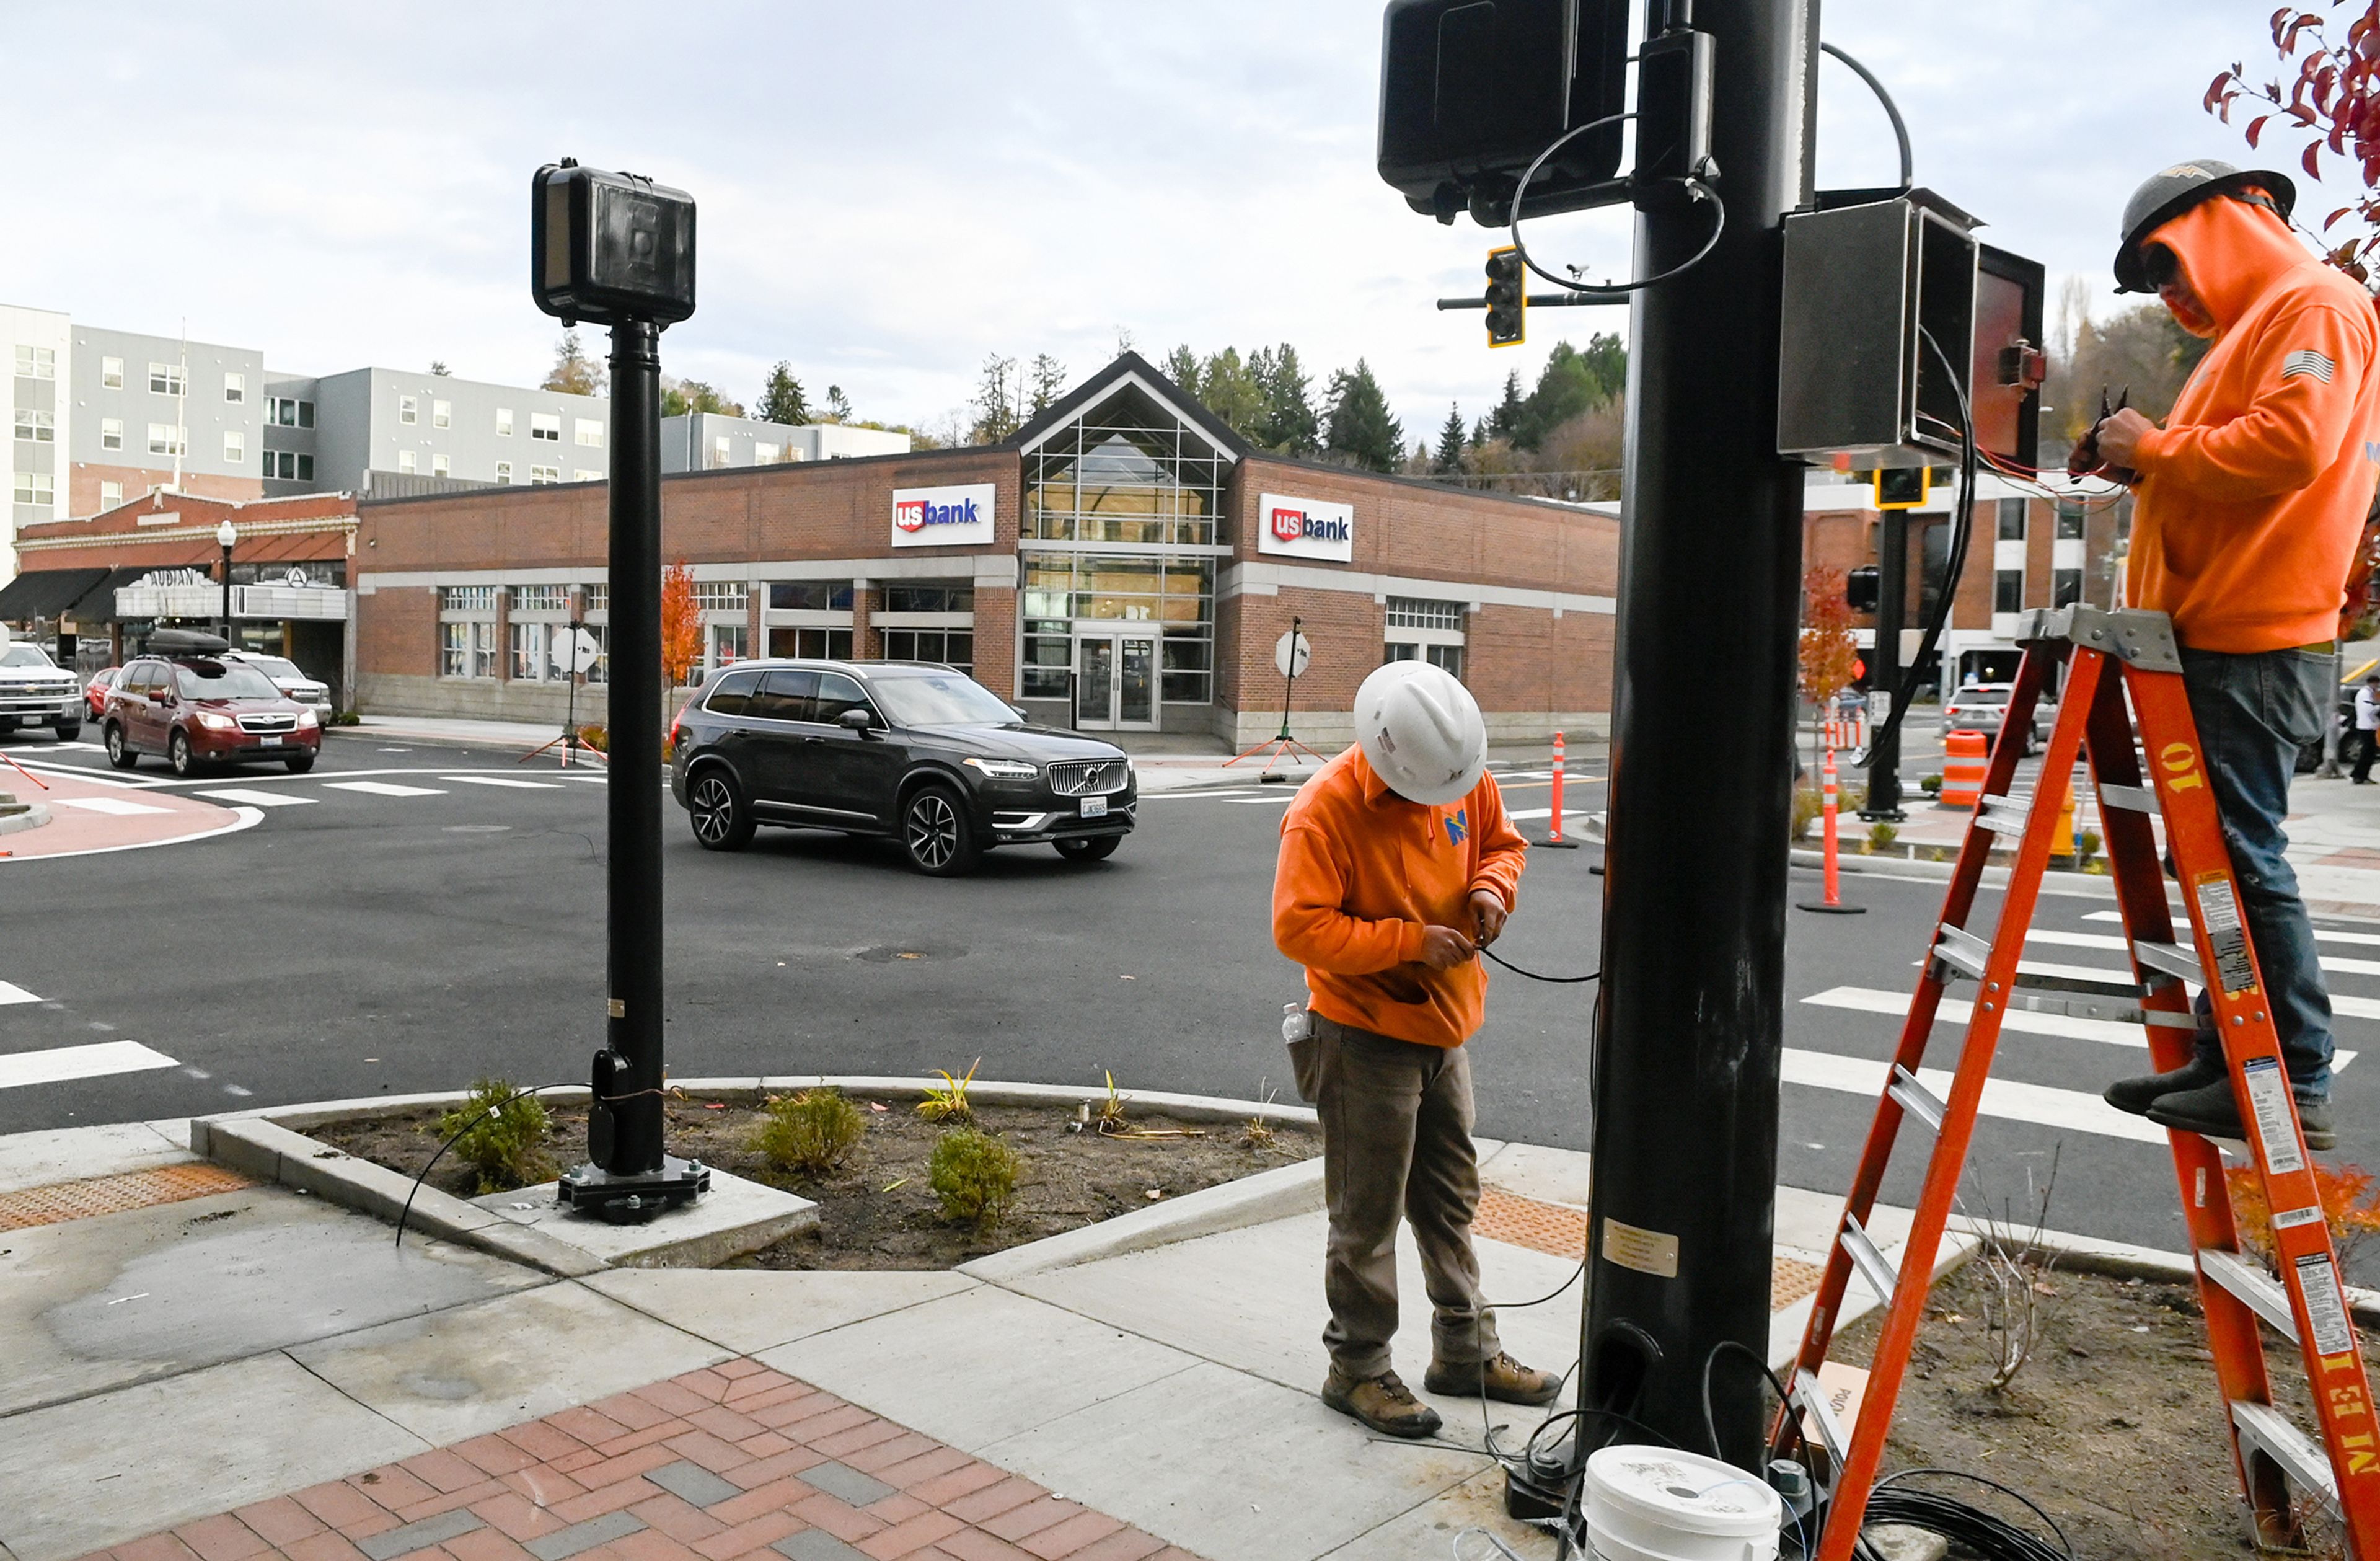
912, 750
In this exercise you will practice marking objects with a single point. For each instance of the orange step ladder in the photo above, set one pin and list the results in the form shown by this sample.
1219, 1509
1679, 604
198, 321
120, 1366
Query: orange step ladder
2109, 656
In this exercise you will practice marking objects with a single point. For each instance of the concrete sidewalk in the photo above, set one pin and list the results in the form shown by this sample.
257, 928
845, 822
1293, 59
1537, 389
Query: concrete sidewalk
192, 1365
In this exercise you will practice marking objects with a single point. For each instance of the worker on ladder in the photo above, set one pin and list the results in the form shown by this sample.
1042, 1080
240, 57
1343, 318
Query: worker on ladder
2250, 500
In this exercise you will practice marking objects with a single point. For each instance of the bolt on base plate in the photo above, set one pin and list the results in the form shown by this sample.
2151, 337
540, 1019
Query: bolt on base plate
624, 1199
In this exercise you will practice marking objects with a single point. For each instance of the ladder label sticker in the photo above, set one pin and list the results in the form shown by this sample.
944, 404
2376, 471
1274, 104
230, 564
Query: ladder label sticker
2268, 1098
2325, 1308
1647, 1251
2218, 918
2289, 1219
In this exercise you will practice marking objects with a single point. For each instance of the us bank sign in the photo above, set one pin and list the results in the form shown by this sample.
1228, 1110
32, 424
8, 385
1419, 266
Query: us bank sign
1295, 527
958, 517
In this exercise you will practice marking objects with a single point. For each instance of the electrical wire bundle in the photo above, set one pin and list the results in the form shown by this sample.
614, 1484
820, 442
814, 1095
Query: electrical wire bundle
1964, 1524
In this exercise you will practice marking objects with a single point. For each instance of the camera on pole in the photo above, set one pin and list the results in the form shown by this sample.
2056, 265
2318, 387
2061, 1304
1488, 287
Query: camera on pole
1508, 301
618, 249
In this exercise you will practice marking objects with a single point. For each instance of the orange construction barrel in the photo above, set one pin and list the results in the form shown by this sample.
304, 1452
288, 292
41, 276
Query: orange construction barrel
1962, 770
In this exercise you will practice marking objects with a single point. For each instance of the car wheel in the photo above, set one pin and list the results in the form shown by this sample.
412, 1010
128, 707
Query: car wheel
722, 819
300, 763
179, 754
1099, 847
70, 731
936, 835
119, 752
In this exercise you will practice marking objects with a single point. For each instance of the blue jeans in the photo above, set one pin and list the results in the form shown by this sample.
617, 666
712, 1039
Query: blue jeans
2254, 713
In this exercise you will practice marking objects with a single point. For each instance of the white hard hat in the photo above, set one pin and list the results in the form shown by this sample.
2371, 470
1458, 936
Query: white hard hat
1421, 731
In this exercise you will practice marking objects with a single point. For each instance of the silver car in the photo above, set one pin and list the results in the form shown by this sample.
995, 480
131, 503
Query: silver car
1982, 707
293, 684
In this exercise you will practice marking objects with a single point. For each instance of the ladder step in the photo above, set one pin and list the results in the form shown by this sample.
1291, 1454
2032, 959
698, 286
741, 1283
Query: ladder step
2089, 1008
2255, 1290
2003, 815
2172, 959
2132, 799
1966, 954
1915, 1098
2266, 1430
1961, 950
1873, 1266
1812, 1399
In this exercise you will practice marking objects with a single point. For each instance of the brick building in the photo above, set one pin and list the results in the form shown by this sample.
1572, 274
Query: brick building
1124, 562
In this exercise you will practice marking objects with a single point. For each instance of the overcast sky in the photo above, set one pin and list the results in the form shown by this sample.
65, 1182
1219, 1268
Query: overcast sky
889, 192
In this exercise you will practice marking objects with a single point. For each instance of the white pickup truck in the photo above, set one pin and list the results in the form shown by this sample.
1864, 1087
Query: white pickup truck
36, 691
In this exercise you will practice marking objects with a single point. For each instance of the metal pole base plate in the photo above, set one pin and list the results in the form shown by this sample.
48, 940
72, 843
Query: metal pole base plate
1826, 909
633, 1199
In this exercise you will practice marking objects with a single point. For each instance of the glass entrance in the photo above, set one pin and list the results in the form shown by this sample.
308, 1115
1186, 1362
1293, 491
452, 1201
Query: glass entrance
1116, 682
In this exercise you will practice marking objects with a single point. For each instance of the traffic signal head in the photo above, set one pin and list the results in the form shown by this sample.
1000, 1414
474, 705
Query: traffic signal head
1861, 589
1903, 488
606, 248
1507, 297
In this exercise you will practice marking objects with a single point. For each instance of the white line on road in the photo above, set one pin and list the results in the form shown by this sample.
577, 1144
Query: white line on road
113, 806
241, 818
11, 993
2101, 940
2369, 940
1518, 814
261, 799
383, 789
61, 1064
2003, 1098
503, 780
1959, 1010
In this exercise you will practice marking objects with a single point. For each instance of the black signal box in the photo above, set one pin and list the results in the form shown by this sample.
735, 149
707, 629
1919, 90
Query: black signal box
1903, 487
607, 248
1861, 589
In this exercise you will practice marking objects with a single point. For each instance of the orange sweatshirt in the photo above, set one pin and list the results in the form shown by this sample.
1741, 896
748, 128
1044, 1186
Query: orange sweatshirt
1362, 873
2253, 494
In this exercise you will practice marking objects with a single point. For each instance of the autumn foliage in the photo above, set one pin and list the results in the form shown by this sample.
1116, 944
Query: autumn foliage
1828, 649
680, 625
2333, 102
2350, 1206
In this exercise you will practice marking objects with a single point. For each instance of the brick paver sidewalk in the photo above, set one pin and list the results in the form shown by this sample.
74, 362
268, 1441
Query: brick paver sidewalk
733, 1461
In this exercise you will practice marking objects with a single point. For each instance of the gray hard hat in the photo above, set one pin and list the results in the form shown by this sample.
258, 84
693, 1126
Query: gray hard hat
2165, 196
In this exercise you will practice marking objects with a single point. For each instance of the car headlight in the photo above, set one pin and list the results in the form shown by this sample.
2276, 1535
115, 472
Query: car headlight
1003, 769
215, 722
306, 717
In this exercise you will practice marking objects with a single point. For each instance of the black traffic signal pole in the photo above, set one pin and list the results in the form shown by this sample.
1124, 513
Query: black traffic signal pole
1884, 665
1689, 1031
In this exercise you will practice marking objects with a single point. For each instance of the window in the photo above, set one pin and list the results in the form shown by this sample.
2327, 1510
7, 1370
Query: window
236, 387
164, 439
165, 379
235, 447
289, 413
764, 455
406, 462
930, 599
823, 644
734, 695
588, 431
784, 696
2012, 520
580, 474
289, 466
36, 487
441, 414
599, 598
37, 362
467, 599
1178, 593
505, 472
528, 652
40, 428
812, 596
545, 425
111, 373
437, 466
408, 409
504, 422
111, 433
2008, 590
837, 694
719, 449
953, 647
541, 598
719, 596
1414, 612
2069, 523
110, 494
724, 644
467, 649
537, 474
2065, 587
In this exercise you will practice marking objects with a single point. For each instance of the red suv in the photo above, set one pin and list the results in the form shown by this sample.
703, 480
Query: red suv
198, 711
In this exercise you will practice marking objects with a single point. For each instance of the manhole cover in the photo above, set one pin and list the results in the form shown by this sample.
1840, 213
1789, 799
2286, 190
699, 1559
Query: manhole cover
885, 954
476, 829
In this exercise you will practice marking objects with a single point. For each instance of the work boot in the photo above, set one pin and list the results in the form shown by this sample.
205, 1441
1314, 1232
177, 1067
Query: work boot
2136, 1096
1502, 1378
1384, 1403
2211, 1112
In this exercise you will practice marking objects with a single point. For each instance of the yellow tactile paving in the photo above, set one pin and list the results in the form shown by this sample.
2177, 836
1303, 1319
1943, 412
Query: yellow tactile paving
113, 1195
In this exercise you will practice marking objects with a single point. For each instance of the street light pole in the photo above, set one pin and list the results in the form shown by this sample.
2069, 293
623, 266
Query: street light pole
226, 535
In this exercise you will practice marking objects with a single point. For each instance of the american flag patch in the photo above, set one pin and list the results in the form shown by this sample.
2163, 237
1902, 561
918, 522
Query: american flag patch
2307, 362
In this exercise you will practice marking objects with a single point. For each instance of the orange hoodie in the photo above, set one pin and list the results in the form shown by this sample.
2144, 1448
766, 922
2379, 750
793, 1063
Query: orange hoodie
2254, 491
1362, 873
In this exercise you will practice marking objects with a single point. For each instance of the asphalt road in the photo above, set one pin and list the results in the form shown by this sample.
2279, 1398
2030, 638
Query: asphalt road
359, 942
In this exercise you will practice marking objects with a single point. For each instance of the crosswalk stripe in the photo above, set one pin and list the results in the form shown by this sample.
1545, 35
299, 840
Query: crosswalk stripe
2003, 1098
386, 788
61, 1064
1524, 813
2337, 966
503, 780
115, 807
1959, 1010
11, 993
2326, 935
261, 799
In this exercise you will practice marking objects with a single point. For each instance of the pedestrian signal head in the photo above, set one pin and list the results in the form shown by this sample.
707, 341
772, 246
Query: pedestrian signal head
1507, 297
1422, 732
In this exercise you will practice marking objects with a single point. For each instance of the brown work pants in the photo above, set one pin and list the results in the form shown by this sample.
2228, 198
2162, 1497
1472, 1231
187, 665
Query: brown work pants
1396, 1140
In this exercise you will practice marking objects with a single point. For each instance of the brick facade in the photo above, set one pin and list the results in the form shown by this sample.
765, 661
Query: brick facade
84, 479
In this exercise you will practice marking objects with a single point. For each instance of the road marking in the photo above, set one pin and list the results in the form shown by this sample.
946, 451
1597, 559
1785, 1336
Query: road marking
261, 799
12, 993
113, 806
61, 1064
241, 818
503, 780
383, 789
592, 780
2369, 940
1959, 1010
1521, 813
2101, 940
2003, 1098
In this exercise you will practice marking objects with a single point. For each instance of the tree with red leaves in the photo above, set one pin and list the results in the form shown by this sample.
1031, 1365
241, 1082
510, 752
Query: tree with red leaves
2335, 100
1829, 648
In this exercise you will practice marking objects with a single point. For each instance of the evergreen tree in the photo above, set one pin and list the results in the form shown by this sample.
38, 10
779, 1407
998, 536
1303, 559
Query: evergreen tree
1229, 390
1287, 425
1450, 442
1048, 377
782, 399
573, 371
1573, 383
1182, 367
1360, 431
1505, 421
997, 401
838, 405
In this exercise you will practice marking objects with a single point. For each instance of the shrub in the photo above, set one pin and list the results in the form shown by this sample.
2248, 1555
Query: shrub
811, 1132
1807, 806
2350, 1206
1880, 837
2086, 846
346, 718
975, 1175
948, 1101
596, 736
1932, 785
501, 1131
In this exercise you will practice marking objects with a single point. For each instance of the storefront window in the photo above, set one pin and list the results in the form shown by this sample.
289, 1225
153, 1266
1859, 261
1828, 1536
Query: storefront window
1064, 589
952, 647
1131, 471
815, 596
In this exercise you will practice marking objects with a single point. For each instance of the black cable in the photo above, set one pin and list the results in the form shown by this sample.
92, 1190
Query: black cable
1891, 111
1987, 1536
407, 1211
1710, 1420
1694, 187
1557, 981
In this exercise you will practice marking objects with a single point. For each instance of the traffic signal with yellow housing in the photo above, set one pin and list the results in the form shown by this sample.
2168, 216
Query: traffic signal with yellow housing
1904, 488
1507, 299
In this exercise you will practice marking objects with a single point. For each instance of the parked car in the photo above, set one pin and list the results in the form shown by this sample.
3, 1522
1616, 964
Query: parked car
94, 693
199, 710
913, 751
37, 691
312, 692
1982, 707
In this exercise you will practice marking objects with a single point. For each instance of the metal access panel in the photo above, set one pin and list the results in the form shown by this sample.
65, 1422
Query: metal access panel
1865, 287
2008, 361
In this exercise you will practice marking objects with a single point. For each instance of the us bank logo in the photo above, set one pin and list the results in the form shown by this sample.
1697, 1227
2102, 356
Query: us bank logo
1300, 527
916, 515
954, 516
1289, 525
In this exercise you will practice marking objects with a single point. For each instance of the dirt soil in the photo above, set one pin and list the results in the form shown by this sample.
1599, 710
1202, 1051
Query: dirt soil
876, 1211
2114, 1424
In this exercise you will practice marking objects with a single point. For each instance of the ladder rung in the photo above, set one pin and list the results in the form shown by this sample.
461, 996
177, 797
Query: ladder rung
1961, 950
1873, 1266
2171, 958
2132, 799
1915, 1098
2267, 1430
2089, 1008
2255, 1290
2112, 987
1813, 1402
2003, 815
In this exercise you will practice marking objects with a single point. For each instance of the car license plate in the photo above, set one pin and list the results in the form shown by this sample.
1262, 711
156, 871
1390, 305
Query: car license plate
269, 742
1095, 807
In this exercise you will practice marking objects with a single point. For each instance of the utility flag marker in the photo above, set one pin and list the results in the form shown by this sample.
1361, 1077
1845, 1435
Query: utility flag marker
386, 788
115, 807
261, 799
62, 1064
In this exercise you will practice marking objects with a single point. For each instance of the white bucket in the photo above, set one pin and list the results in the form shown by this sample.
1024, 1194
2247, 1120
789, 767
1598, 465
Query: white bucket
1656, 1504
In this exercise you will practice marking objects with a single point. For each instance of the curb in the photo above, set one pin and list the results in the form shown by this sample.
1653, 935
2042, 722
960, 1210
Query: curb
35, 816
1268, 1195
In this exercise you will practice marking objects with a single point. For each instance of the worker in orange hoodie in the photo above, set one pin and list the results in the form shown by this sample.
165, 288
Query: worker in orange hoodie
2250, 500
1397, 865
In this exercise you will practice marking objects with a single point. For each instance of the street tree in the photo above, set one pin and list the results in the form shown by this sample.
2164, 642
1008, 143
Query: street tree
838, 405
1572, 382
1229, 390
997, 401
782, 399
2333, 102
680, 397
573, 371
1046, 381
1505, 421
1828, 649
1451, 443
1289, 425
680, 625
1360, 431
1182, 367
